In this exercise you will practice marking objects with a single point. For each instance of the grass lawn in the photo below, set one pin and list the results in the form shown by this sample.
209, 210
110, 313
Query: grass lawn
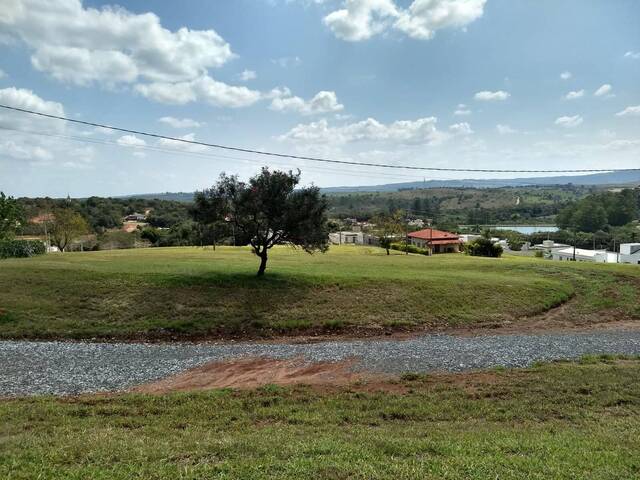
191, 292
555, 421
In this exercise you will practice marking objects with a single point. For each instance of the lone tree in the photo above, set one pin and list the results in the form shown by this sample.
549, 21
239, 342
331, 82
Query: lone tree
267, 211
67, 225
11, 216
388, 228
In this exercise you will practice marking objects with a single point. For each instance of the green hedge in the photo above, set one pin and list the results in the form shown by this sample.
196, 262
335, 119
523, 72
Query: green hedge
409, 248
21, 248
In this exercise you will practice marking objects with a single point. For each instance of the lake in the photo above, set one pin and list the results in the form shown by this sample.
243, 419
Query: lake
527, 229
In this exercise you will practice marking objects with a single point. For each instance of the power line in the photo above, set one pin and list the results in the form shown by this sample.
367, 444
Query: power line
171, 151
312, 159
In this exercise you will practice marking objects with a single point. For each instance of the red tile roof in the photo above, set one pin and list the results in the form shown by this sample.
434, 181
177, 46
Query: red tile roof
434, 235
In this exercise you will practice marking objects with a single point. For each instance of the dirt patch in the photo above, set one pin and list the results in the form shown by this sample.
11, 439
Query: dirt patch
255, 372
326, 377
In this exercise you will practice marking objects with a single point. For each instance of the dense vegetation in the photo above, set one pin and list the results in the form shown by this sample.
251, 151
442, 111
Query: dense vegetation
600, 211
20, 248
195, 292
512, 205
106, 213
588, 216
556, 421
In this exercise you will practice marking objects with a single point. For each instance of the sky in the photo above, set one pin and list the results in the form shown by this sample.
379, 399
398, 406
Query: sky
499, 84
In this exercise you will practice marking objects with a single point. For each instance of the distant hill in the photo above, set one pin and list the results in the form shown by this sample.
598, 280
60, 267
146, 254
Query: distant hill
613, 178
175, 196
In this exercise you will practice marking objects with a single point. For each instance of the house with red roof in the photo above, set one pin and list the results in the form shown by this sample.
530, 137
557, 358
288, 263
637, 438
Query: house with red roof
438, 241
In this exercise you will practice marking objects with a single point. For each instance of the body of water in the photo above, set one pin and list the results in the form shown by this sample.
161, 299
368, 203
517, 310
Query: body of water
527, 229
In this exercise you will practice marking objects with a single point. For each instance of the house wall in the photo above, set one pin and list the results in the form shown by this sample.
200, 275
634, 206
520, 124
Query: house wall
449, 248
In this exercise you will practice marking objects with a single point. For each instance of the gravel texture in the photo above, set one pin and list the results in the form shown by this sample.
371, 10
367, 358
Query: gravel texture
62, 368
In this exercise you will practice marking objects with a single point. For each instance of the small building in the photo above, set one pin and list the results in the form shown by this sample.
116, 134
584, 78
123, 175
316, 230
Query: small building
352, 238
469, 237
135, 217
438, 241
584, 255
629, 253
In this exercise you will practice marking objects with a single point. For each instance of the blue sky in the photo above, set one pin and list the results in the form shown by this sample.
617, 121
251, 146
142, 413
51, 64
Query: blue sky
516, 84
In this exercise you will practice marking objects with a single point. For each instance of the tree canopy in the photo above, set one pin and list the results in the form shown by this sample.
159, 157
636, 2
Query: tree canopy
11, 216
596, 212
67, 226
267, 211
388, 227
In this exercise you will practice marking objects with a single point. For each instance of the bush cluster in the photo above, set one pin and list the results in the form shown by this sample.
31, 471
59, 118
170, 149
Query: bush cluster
483, 247
21, 248
409, 248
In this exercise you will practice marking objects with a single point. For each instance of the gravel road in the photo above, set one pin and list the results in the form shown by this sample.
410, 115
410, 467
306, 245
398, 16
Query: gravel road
61, 368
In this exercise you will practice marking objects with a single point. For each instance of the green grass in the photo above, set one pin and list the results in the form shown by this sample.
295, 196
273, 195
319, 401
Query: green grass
555, 421
191, 292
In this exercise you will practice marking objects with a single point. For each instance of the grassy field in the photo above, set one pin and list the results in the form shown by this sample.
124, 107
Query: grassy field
557, 421
191, 292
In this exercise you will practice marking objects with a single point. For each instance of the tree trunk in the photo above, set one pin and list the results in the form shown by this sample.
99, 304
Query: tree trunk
263, 263
387, 251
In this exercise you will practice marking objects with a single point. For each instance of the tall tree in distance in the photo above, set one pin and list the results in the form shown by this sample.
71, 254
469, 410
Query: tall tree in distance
267, 211
10, 216
67, 226
389, 227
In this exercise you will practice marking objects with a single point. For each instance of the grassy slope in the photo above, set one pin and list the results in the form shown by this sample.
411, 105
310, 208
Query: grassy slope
190, 291
560, 421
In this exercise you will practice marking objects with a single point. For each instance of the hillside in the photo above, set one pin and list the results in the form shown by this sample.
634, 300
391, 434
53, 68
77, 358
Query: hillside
599, 179
165, 293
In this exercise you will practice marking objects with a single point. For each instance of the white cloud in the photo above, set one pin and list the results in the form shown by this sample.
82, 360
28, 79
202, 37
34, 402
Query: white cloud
575, 94
287, 62
247, 75
24, 152
2, 74
425, 17
632, 55
185, 147
180, 122
505, 129
322, 102
36, 149
361, 19
462, 128
204, 88
131, 141
487, 96
462, 110
622, 144
26, 99
565, 75
569, 122
422, 131
604, 91
68, 38
112, 46
630, 111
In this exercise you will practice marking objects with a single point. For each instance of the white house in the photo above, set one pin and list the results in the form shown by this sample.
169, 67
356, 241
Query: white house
469, 237
584, 255
629, 253
352, 238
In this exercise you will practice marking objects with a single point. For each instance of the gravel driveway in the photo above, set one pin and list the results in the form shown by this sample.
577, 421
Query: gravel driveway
59, 368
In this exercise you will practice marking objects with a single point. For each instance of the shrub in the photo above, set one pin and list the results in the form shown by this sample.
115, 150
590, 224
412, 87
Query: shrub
409, 248
21, 248
483, 247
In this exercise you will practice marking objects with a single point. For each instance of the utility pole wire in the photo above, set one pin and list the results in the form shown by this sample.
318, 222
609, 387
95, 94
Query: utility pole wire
312, 159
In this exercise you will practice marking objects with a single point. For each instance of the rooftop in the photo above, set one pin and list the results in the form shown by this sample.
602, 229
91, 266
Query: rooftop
433, 234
